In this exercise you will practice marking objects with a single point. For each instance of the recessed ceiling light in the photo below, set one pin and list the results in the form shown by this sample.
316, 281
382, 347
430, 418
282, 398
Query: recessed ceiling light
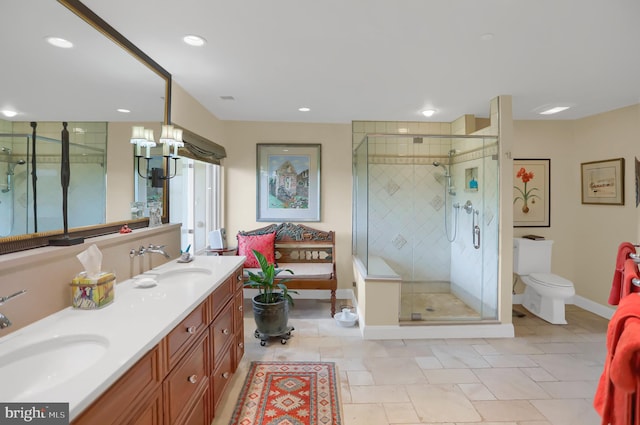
8, 113
194, 40
304, 109
59, 42
124, 111
554, 110
428, 112
486, 36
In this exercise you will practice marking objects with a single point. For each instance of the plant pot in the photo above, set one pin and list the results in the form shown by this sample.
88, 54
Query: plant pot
271, 318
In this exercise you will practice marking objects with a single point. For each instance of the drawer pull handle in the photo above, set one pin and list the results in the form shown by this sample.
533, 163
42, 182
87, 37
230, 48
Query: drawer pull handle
193, 379
226, 331
225, 375
240, 307
191, 329
239, 277
241, 344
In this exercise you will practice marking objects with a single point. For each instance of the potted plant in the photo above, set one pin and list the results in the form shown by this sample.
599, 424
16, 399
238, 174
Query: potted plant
271, 305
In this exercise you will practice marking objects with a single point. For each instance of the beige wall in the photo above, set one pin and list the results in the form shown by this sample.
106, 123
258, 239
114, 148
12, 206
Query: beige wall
586, 236
239, 138
335, 180
188, 113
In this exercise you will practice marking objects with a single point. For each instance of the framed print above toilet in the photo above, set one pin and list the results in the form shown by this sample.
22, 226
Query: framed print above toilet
531, 192
603, 182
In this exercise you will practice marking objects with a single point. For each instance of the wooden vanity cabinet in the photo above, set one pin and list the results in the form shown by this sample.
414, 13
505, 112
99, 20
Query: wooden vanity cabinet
184, 387
135, 398
223, 332
180, 380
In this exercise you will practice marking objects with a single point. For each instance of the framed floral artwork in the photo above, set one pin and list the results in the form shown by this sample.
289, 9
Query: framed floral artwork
603, 182
531, 192
288, 182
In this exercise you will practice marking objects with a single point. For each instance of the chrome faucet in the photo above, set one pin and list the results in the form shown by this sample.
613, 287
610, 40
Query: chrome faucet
158, 249
4, 320
155, 249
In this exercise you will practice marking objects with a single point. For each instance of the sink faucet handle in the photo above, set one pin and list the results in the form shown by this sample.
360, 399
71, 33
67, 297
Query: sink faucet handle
5, 299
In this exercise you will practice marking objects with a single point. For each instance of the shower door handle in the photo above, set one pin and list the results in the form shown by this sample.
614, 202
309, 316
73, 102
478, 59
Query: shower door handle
475, 230
476, 237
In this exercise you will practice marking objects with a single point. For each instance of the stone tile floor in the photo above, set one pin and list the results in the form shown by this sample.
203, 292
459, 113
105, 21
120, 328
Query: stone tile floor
546, 375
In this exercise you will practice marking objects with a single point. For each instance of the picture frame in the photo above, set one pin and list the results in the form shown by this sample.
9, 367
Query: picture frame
531, 192
603, 182
288, 182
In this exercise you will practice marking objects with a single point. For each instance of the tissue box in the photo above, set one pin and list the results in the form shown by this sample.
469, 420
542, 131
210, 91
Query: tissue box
94, 293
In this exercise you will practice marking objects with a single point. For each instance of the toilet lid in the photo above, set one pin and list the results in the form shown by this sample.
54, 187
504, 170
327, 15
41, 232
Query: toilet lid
549, 279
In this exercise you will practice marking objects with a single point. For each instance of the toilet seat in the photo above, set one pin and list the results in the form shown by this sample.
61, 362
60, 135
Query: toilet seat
550, 280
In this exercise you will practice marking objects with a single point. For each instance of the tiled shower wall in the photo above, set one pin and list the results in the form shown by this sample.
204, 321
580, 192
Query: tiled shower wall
407, 207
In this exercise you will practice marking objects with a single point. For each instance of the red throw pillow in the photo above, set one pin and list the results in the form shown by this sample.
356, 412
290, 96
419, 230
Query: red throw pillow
261, 243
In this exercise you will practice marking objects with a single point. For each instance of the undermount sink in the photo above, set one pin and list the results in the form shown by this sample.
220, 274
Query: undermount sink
42, 365
180, 275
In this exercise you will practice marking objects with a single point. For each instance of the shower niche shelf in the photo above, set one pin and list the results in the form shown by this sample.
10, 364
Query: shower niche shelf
471, 179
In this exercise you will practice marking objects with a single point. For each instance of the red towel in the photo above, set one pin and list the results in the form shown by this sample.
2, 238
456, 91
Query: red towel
624, 250
618, 392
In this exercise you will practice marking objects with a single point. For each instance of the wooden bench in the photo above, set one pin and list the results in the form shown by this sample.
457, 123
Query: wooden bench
308, 252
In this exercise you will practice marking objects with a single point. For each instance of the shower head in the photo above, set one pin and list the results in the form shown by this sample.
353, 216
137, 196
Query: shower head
438, 164
12, 166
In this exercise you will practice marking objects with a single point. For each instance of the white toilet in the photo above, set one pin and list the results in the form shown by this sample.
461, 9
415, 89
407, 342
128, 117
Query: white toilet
545, 293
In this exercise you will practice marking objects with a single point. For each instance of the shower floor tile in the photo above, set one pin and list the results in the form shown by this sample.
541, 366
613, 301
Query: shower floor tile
434, 307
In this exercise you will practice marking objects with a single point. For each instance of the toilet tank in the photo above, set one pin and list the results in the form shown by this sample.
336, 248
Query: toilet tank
531, 256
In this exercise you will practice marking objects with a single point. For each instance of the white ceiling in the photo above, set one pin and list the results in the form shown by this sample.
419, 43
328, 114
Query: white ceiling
387, 60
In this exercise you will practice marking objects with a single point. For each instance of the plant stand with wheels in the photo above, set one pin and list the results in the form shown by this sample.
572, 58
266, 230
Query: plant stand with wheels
264, 337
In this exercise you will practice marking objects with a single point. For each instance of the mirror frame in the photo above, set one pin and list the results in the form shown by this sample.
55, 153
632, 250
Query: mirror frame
35, 240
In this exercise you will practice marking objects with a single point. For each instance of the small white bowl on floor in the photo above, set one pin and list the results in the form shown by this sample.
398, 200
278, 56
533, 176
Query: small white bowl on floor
346, 318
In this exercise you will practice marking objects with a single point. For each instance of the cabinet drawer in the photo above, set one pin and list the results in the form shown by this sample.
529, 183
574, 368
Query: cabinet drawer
221, 376
239, 278
221, 332
238, 312
198, 415
186, 381
221, 295
151, 413
239, 347
183, 335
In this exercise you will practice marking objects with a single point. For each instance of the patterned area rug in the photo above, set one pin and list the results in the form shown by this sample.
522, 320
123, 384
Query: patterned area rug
289, 393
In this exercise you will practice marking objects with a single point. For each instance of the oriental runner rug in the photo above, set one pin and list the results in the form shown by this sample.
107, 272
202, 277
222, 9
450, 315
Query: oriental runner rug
289, 393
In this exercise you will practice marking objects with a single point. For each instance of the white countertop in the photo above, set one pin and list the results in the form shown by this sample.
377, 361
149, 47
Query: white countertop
133, 324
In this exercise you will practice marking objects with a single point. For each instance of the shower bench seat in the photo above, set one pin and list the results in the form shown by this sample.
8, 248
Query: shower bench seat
308, 252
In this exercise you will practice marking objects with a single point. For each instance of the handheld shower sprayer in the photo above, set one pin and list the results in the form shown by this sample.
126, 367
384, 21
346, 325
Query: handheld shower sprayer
10, 172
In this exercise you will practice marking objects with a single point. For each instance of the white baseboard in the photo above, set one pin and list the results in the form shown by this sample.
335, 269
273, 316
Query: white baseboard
582, 302
592, 306
438, 331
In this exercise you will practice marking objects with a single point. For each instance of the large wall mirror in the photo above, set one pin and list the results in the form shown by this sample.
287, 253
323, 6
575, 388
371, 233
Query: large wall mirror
88, 86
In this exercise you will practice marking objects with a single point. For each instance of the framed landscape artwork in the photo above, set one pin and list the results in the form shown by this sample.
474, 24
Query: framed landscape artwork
531, 192
288, 182
603, 182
